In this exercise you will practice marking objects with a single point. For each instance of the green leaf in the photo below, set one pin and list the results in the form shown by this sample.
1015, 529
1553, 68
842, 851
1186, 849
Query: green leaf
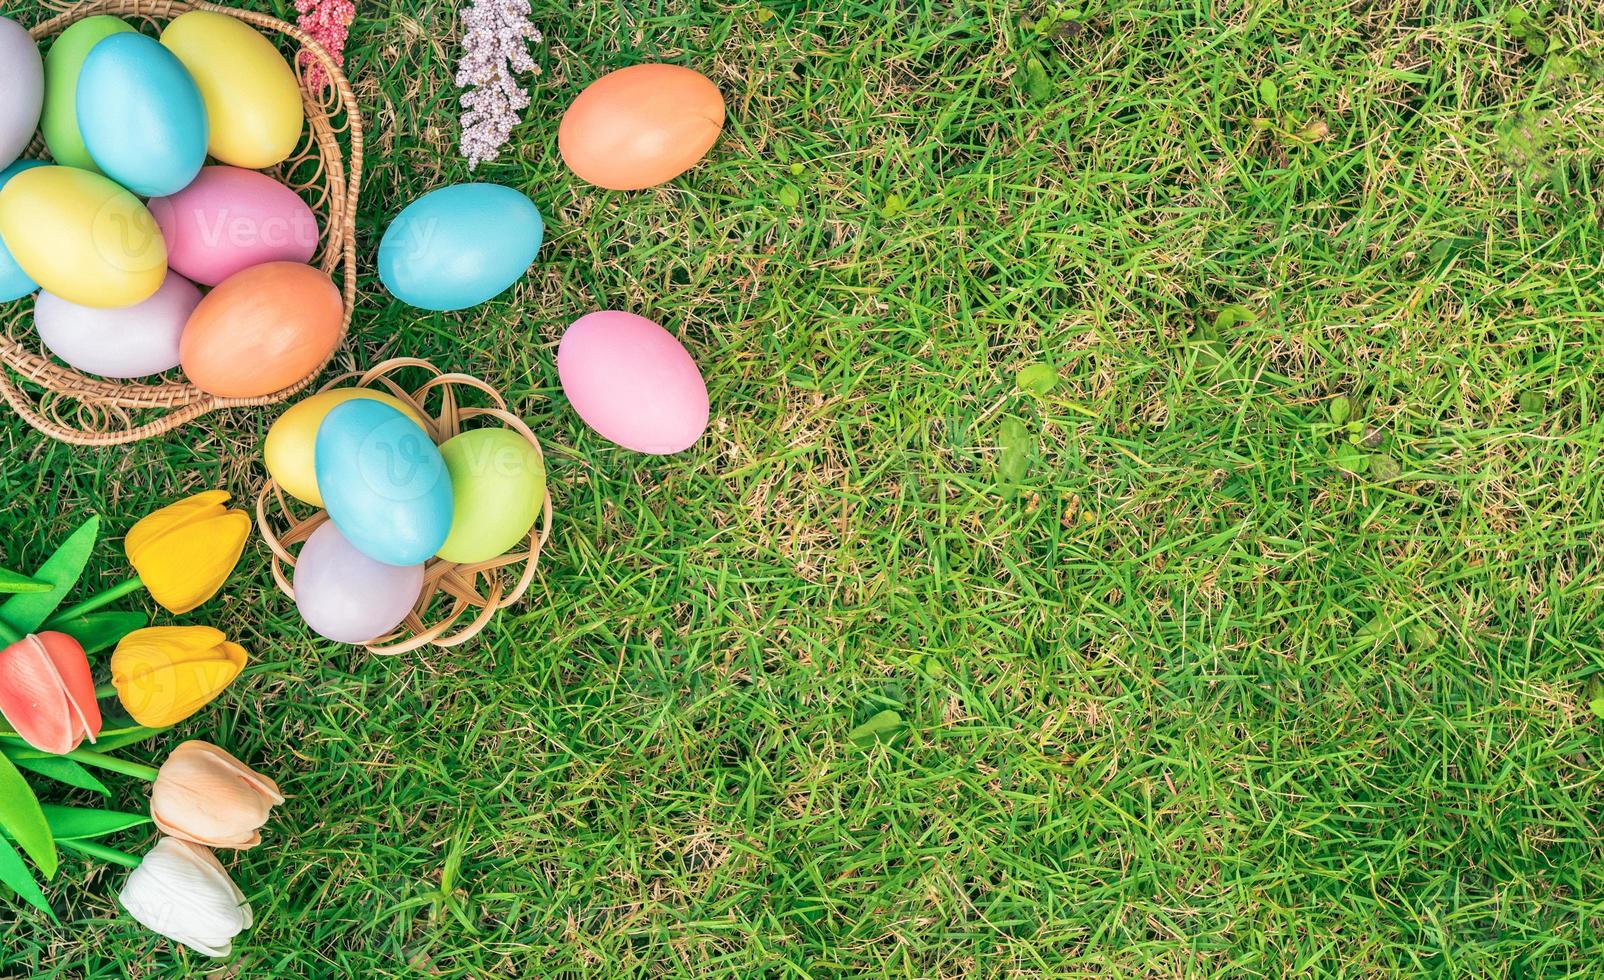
79, 823
1013, 461
1595, 696
1036, 80
1269, 94
16, 876
1379, 628
1422, 638
25, 613
1351, 458
1039, 378
789, 196
17, 582
881, 726
1232, 315
1383, 468
1340, 409
101, 852
64, 771
99, 631
23, 821
113, 739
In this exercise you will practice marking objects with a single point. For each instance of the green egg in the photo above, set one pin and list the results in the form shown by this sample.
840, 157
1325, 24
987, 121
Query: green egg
499, 486
63, 62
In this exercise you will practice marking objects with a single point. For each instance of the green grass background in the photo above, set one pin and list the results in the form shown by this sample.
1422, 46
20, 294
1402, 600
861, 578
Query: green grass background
1184, 697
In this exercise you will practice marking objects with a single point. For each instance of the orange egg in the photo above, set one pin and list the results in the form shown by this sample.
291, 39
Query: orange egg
642, 126
262, 329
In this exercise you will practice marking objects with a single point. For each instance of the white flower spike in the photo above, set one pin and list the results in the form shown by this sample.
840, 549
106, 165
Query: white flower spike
180, 891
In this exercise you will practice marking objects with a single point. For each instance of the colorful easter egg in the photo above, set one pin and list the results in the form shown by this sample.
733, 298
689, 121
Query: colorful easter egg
81, 236
642, 126
383, 482
252, 99
141, 116
459, 246
262, 330
14, 283
229, 219
22, 90
499, 484
347, 597
631, 381
62, 66
130, 342
291, 442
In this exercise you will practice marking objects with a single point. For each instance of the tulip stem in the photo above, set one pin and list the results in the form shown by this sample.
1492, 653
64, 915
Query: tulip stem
109, 854
105, 691
89, 757
99, 599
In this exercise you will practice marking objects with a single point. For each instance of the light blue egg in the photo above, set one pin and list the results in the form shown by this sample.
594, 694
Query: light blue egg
141, 115
383, 482
14, 283
459, 246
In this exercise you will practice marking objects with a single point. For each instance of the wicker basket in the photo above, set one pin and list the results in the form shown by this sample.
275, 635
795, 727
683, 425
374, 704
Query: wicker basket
325, 169
449, 589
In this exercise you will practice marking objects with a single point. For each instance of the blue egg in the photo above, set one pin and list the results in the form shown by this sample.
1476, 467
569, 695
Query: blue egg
141, 115
14, 283
459, 246
383, 482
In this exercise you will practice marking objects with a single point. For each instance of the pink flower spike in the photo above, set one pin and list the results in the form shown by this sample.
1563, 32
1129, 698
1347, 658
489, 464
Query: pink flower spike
47, 693
328, 22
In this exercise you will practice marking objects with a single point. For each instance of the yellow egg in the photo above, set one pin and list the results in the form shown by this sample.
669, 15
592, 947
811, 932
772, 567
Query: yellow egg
253, 103
288, 450
82, 237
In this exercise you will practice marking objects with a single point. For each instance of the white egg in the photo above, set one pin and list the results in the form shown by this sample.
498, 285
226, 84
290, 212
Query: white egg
130, 342
22, 90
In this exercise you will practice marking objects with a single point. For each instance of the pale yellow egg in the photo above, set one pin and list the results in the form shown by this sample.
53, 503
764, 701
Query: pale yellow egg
82, 237
253, 102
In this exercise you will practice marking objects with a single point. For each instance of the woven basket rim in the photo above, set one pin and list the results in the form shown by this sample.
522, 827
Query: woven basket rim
481, 586
82, 409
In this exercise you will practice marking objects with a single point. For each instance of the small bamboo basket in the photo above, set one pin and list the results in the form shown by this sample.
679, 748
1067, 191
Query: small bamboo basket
450, 590
325, 169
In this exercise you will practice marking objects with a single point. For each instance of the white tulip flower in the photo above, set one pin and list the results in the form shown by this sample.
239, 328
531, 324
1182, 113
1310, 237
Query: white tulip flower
180, 891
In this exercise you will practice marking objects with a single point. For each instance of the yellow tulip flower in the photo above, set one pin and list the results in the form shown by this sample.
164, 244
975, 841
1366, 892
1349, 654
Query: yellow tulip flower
185, 551
164, 674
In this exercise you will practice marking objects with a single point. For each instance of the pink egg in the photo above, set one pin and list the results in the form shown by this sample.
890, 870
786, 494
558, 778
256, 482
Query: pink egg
631, 381
230, 219
130, 342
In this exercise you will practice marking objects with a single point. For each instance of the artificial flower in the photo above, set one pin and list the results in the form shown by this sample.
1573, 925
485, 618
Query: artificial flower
206, 796
185, 551
180, 891
328, 22
47, 693
495, 50
164, 674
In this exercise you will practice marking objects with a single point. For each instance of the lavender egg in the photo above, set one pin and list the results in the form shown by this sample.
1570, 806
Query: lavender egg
347, 597
22, 90
130, 342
